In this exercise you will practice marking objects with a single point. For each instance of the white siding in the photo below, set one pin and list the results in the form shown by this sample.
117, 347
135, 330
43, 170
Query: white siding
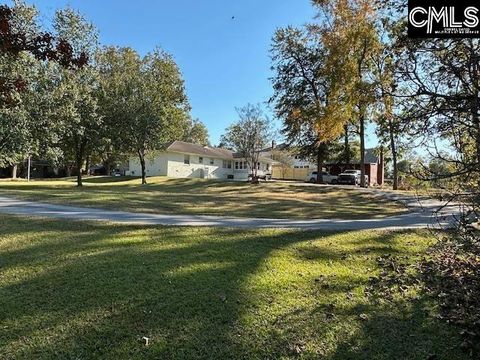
172, 164
177, 168
154, 167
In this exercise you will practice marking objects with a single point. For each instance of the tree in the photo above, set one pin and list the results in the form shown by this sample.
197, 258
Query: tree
249, 135
337, 153
197, 133
145, 99
14, 119
19, 33
284, 158
77, 115
353, 42
389, 123
26, 55
306, 91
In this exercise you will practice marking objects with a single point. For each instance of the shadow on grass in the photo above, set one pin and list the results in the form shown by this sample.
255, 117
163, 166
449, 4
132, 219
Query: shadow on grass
90, 290
108, 179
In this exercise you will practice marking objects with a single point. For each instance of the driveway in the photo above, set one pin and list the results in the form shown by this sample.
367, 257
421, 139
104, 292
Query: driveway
421, 215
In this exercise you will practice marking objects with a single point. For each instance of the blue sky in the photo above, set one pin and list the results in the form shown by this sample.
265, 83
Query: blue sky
225, 62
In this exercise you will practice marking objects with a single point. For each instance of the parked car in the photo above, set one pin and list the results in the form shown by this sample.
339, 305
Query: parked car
351, 177
326, 177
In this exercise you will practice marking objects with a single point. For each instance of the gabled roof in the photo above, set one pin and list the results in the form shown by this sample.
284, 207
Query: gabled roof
371, 157
189, 148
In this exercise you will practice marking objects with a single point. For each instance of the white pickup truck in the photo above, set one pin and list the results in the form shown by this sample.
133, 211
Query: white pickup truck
326, 177
351, 177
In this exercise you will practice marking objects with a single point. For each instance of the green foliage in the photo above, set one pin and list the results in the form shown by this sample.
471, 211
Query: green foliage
306, 96
143, 100
77, 115
15, 122
197, 133
17, 73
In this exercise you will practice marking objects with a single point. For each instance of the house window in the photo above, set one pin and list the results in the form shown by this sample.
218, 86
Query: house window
200, 160
186, 159
245, 165
268, 166
236, 165
212, 161
227, 164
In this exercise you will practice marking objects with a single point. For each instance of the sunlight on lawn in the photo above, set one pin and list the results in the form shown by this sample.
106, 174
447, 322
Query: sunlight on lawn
209, 197
68, 289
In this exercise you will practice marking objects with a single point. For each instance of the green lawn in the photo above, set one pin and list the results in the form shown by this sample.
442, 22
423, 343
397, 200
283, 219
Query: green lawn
75, 290
208, 197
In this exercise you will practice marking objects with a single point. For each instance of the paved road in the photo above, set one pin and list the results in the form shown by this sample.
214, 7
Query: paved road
420, 216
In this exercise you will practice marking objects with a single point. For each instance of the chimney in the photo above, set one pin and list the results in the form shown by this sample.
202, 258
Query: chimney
273, 144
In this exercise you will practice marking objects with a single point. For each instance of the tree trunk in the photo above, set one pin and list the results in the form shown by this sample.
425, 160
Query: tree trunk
394, 154
362, 151
14, 171
107, 166
253, 168
346, 154
141, 155
79, 170
476, 116
79, 161
320, 161
87, 165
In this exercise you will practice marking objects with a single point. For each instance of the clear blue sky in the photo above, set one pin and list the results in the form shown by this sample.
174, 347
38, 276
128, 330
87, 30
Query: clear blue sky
225, 62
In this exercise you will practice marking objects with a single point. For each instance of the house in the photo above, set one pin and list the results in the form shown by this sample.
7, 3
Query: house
186, 160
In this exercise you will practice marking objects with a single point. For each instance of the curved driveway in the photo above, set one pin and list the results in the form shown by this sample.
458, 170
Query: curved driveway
420, 216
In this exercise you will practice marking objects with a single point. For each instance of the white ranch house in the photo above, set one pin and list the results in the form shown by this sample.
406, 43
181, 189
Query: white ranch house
185, 160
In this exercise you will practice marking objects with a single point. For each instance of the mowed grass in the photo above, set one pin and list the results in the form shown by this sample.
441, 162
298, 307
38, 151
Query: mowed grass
74, 290
208, 197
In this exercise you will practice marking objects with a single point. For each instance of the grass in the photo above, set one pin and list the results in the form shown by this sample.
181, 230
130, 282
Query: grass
208, 197
75, 290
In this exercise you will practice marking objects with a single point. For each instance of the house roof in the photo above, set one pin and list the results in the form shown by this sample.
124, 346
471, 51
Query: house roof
189, 148
371, 157
207, 151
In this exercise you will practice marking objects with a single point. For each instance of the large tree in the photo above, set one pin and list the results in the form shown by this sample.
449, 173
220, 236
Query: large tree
307, 96
354, 44
145, 99
26, 57
249, 135
78, 117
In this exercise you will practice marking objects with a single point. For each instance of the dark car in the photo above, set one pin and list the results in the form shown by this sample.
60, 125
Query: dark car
347, 179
